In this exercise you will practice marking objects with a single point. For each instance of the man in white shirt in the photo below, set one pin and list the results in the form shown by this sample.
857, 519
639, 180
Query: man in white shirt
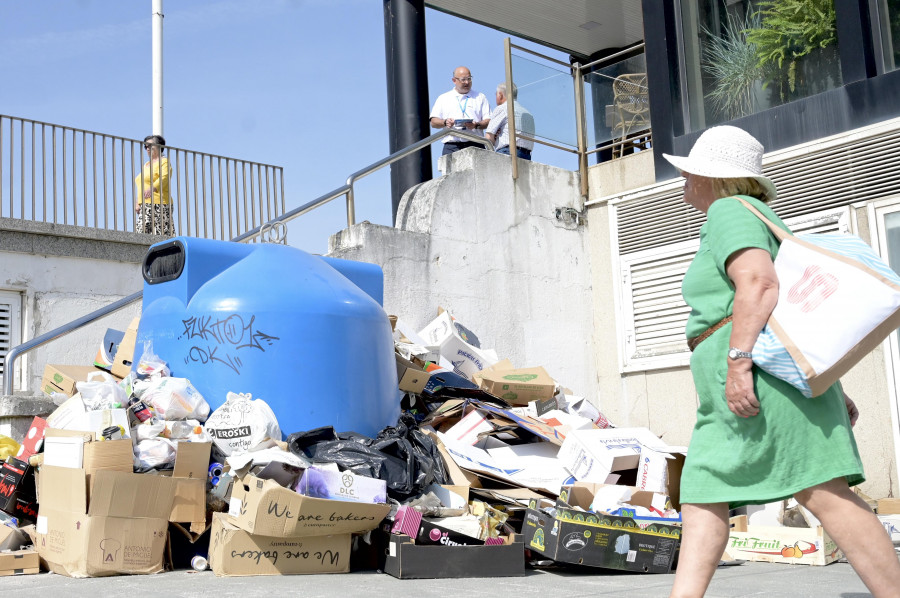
461, 108
498, 131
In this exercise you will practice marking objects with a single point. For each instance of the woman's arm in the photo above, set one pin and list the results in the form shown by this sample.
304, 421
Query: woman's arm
755, 295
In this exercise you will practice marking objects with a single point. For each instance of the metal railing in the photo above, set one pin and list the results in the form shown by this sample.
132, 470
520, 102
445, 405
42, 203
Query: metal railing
62, 175
345, 190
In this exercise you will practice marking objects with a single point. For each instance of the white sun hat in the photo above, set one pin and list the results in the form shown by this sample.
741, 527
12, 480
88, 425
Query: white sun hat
725, 152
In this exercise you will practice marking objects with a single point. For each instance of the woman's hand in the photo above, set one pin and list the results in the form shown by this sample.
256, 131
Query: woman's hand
852, 411
739, 389
148, 193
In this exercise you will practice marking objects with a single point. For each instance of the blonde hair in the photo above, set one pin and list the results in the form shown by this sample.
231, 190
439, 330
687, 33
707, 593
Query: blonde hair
741, 186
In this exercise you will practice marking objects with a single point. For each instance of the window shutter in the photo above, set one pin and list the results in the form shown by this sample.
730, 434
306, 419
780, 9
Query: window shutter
10, 325
655, 313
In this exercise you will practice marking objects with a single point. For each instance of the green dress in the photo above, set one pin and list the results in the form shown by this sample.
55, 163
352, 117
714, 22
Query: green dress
794, 442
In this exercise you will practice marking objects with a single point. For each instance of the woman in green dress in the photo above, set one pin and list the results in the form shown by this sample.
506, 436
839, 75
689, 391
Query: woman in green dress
757, 439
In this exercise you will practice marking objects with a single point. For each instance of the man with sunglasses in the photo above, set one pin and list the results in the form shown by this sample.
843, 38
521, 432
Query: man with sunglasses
461, 108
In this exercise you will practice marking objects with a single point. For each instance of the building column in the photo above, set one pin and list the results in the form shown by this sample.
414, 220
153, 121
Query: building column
407, 90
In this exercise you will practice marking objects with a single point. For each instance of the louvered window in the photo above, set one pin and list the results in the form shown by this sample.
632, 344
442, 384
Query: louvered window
10, 325
654, 314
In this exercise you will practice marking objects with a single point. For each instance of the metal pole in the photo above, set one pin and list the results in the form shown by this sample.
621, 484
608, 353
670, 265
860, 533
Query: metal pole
407, 76
579, 127
511, 110
157, 19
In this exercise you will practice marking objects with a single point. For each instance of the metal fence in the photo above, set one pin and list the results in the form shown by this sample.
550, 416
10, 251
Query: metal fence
62, 175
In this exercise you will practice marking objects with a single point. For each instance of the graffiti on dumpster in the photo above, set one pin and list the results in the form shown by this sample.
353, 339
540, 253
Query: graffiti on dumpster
218, 339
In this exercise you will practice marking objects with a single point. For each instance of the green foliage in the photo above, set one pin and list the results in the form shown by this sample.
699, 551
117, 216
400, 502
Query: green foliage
790, 30
732, 63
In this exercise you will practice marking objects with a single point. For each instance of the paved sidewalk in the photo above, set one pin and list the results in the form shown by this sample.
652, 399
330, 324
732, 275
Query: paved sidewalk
750, 579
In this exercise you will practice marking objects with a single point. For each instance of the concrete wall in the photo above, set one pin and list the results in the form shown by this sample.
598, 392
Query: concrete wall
492, 252
665, 399
63, 273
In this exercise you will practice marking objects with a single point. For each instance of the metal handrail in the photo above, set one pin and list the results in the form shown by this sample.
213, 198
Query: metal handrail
89, 177
346, 189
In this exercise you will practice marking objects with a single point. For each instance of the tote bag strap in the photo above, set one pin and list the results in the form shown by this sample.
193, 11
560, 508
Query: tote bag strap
779, 232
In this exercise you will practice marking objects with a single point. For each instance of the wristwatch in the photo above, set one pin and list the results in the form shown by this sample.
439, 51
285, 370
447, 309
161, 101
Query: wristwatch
735, 353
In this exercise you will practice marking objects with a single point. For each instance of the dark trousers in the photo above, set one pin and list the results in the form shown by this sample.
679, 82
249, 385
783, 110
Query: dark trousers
455, 146
521, 152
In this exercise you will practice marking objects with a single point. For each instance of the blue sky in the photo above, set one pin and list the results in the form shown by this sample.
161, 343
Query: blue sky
294, 83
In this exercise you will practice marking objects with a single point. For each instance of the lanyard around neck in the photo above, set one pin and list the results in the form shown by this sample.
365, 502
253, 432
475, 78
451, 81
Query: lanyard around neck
463, 105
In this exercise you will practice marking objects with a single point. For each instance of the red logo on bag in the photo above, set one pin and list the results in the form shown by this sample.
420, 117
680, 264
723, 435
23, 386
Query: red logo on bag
812, 289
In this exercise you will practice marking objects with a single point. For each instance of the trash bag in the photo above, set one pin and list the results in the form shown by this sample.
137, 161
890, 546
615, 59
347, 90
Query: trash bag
402, 455
241, 424
175, 399
101, 391
8, 447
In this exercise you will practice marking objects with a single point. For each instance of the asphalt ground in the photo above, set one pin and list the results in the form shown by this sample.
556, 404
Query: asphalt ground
836, 580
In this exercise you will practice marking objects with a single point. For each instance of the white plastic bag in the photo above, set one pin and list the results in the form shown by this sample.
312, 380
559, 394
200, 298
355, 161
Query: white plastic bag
150, 365
154, 453
101, 391
175, 398
241, 424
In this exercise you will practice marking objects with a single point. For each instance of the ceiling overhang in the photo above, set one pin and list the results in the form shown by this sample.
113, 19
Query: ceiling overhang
581, 28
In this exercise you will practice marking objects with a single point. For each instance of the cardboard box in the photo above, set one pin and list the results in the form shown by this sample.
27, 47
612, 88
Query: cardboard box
888, 506
17, 491
516, 386
404, 559
792, 545
599, 540
591, 455
62, 378
190, 477
106, 353
467, 359
116, 525
341, 485
19, 562
34, 439
125, 353
266, 508
235, 552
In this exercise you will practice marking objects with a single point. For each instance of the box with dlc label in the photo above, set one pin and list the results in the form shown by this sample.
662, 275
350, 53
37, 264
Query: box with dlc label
266, 508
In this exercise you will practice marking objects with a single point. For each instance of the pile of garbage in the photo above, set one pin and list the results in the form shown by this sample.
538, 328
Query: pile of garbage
135, 473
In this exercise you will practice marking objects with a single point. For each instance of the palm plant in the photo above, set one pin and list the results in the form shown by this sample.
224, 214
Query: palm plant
732, 62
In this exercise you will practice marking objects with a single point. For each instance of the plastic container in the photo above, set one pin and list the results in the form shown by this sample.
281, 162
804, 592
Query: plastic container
275, 322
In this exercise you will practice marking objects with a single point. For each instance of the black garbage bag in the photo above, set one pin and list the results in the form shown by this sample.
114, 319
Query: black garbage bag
402, 455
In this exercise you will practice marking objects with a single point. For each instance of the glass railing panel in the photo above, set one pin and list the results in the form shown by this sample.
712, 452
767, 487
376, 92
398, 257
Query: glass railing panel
547, 92
617, 100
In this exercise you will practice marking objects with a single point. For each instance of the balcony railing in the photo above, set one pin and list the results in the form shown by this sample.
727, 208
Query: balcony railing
62, 175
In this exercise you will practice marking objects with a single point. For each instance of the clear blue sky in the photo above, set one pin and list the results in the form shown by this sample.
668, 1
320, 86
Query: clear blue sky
295, 83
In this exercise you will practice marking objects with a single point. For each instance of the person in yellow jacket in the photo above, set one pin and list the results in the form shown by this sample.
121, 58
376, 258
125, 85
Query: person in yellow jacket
153, 205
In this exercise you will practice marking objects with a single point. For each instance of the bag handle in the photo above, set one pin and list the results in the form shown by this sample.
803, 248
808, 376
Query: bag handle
779, 232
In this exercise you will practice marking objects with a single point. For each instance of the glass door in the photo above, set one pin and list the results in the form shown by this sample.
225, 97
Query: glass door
887, 241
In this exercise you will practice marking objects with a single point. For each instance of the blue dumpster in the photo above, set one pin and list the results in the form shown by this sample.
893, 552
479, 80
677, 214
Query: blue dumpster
307, 334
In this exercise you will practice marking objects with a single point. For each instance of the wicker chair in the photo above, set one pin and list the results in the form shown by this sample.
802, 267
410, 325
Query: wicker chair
632, 106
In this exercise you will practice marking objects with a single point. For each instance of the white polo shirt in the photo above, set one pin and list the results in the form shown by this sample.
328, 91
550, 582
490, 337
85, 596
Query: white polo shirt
524, 126
455, 105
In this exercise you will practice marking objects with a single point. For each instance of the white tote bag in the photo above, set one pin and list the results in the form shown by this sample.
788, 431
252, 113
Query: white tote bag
837, 300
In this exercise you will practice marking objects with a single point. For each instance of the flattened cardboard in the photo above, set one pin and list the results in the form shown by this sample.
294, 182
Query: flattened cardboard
63, 489
125, 354
235, 552
128, 495
264, 507
405, 560
192, 460
188, 501
106, 353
